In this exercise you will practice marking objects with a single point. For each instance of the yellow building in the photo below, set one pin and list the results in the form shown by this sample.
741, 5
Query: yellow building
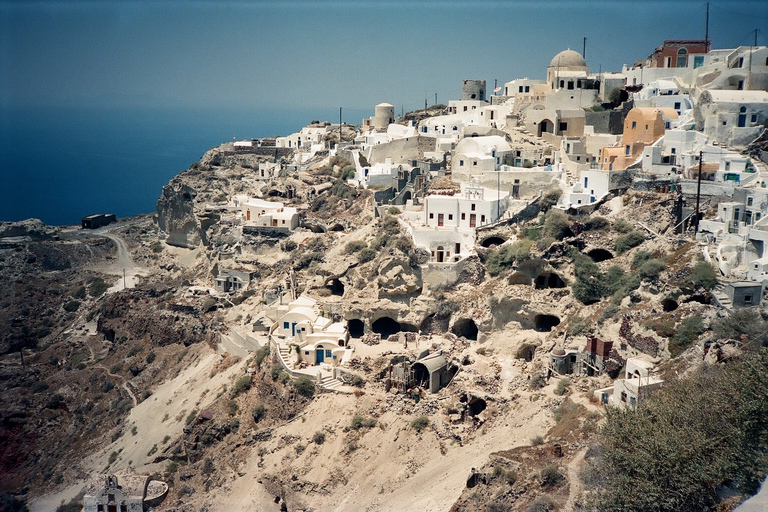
642, 127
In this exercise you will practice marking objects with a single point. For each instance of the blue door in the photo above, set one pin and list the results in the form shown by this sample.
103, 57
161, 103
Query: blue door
320, 354
293, 329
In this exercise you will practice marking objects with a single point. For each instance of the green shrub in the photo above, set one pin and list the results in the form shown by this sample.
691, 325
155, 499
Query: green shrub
628, 241
542, 503
706, 430
502, 258
556, 225
703, 275
171, 468
563, 387
157, 247
641, 257
551, 476
242, 385
622, 226
359, 421
420, 423
596, 223
261, 354
537, 440
549, 198
208, 467
651, 269
347, 172
192, 416
258, 412
73, 506
304, 386
113, 457
151, 357
152, 451
71, 306
743, 322
355, 246
97, 287
276, 370
538, 381
288, 245
366, 255
318, 438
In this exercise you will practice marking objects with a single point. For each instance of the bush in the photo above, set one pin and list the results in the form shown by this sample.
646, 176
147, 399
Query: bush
276, 370
563, 387
261, 354
743, 322
537, 440
208, 467
703, 274
359, 421
71, 306
366, 255
151, 357
551, 476
549, 198
258, 412
689, 331
393, 210
318, 438
288, 245
347, 172
304, 386
242, 385
502, 258
542, 503
641, 257
622, 226
97, 287
157, 247
556, 225
538, 381
355, 246
595, 223
73, 506
651, 269
706, 430
420, 423
628, 241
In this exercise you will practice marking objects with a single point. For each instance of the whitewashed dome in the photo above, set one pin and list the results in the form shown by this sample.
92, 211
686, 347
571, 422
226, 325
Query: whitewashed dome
568, 58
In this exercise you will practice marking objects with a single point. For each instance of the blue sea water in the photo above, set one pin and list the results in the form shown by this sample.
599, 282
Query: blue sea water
60, 164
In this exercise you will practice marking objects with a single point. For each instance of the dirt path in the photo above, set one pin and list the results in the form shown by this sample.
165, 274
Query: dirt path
574, 482
123, 266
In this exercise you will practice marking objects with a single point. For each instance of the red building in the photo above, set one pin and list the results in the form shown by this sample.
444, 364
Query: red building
679, 54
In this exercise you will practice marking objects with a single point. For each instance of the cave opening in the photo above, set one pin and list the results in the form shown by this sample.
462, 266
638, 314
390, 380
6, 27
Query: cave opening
476, 405
520, 278
492, 240
599, 255
669, 305
386, 326
549, 280
545, 323
336, 287
465, 327
526, 352
356, 328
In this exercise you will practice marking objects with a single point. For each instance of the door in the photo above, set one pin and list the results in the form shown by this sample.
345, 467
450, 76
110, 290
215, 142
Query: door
742, 120
472, 220
440, 219
293, 329
320, 354
440, 254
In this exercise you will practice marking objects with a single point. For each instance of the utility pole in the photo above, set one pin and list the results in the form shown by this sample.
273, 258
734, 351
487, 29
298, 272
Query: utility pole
339, 146
698, 191
584, 49
706, 32
124, 285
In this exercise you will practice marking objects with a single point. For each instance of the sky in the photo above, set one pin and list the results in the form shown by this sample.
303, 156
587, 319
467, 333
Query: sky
321, 55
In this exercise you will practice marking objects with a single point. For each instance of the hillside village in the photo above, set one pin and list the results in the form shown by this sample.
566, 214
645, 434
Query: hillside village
431, 311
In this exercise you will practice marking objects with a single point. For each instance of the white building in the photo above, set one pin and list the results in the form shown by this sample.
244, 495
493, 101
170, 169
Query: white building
638, 382
260, 213
474, 155
734, 118
309, 136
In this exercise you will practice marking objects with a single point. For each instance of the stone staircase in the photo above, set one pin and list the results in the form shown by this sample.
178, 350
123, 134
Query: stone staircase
718, 293
331, 384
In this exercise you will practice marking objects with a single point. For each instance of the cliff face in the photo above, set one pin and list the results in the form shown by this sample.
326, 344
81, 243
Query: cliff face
220, 174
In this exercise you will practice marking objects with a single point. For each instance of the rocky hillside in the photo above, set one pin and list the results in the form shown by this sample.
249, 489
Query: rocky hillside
132, 377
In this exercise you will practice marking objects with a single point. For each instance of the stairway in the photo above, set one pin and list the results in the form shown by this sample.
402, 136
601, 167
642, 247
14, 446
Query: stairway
331, 383
718, 293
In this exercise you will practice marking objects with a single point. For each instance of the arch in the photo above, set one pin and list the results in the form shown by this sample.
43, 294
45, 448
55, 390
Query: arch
386, 326
319, 354
546, 125
701, 299
545, 323
493, 240
276, 193
669, 305
465, 327
549, 280
336, 287
520, 278
599, 255
407, 196
408, 327
440, 253
356, 327
315, 228
336, 227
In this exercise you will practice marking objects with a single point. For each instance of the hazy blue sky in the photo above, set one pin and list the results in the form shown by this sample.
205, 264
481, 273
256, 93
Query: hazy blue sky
324, 54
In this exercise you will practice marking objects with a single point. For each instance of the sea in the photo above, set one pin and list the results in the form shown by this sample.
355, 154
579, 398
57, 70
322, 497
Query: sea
60, 164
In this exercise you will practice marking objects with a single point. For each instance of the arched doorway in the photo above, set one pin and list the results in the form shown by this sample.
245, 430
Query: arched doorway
319, 354
386, 326
465, 327
356, 328
440, 254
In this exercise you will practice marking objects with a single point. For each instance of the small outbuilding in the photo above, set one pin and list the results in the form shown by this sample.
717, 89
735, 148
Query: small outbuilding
98, 220
744, 294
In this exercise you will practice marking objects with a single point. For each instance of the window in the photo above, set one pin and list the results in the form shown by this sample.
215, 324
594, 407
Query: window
698, 61
528, 87
461, 163
327, 353
578, 159
570, 85
431, 215
754, 118
623, 396
520, 89
472, 207
286, 325
458, 248
677, 105
562, 83
747, 299
563, 127
634, 124
567, 148
440, 219
474, 162
482, 219
626, 149
682, 58
674, 151
306, 352
450, 216
465, 108
463, 216
749, 201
